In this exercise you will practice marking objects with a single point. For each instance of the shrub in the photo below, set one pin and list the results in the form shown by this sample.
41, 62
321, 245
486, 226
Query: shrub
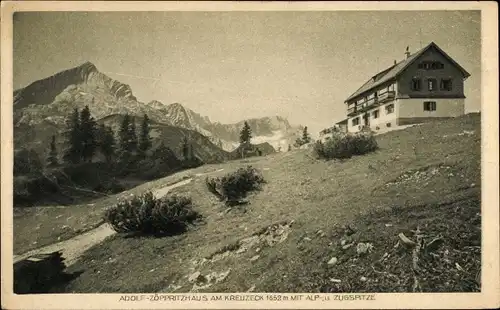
345, 145
26, 161
319, 149
147, 215
235, 186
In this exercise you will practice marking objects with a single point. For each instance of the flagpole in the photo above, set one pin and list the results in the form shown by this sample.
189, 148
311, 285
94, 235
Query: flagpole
420, 37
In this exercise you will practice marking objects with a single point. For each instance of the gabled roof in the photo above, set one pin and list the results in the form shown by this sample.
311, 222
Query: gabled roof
395, 70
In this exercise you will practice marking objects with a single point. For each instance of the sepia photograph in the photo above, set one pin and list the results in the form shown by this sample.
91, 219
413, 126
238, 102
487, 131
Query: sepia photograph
205, 151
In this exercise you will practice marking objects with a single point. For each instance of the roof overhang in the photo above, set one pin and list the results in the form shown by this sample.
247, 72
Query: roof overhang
401, 70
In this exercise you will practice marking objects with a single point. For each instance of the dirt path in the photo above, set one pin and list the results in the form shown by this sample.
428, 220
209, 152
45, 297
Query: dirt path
73, 248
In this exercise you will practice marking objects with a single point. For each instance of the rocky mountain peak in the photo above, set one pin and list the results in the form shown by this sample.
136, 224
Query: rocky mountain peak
155, 104
85, 78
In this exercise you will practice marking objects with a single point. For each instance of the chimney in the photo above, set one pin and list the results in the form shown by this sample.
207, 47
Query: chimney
407, 53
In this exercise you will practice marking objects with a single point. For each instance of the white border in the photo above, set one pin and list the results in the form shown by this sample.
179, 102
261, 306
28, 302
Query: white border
488, 298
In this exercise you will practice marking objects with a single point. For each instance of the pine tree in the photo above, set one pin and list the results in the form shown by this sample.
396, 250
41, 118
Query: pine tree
52, 158
106, 142
123, 140
306, 138
88, 128
245, 134
132, 136
73, 151
289, 147
185, 149
144, 137
165, 156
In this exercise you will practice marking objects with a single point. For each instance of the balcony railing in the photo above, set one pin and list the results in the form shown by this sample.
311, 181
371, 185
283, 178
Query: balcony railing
372, 102
363, 107
388, 95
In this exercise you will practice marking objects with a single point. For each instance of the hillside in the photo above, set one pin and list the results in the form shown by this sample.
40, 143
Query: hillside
171, 136
261, 149
425, 178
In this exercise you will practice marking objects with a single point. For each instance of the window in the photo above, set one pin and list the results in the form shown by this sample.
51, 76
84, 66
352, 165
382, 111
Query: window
388, 125
446, 84
389, 109
431, 84
415, 84
429, 105
431, 65
375, 114
355, 121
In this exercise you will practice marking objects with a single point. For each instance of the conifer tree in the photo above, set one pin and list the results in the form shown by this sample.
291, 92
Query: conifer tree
132, 136
306, 138
144, 137
185, 149
164, 155
52, 158
73, 151
123, 140
107, 143
245, 134
88, 129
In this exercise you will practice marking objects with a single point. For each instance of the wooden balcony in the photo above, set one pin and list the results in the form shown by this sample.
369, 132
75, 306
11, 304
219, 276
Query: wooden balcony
351, 111
387, 96
368, 104
371, 103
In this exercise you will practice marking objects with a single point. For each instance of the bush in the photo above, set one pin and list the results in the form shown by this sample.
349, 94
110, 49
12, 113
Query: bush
26, 162
319, 149
111, 186
235, 186
345, 145
150, 216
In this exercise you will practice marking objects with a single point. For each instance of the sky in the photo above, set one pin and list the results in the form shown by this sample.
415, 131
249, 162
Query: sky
230, 66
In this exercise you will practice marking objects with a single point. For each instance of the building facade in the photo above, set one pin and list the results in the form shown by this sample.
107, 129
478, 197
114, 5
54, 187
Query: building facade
425, 85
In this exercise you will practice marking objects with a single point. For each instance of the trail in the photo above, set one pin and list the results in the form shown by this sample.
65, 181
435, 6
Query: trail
73, 248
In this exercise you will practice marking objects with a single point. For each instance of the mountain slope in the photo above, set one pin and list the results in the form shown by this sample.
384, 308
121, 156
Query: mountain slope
275, 130
42, 106
424, 178
172, 136
44, 91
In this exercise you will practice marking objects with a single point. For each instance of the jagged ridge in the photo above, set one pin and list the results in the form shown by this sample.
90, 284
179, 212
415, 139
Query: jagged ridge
45, 91
47, 102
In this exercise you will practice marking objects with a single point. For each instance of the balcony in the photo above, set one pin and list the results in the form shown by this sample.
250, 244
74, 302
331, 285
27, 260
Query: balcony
351, 111
386, 96
366, 105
